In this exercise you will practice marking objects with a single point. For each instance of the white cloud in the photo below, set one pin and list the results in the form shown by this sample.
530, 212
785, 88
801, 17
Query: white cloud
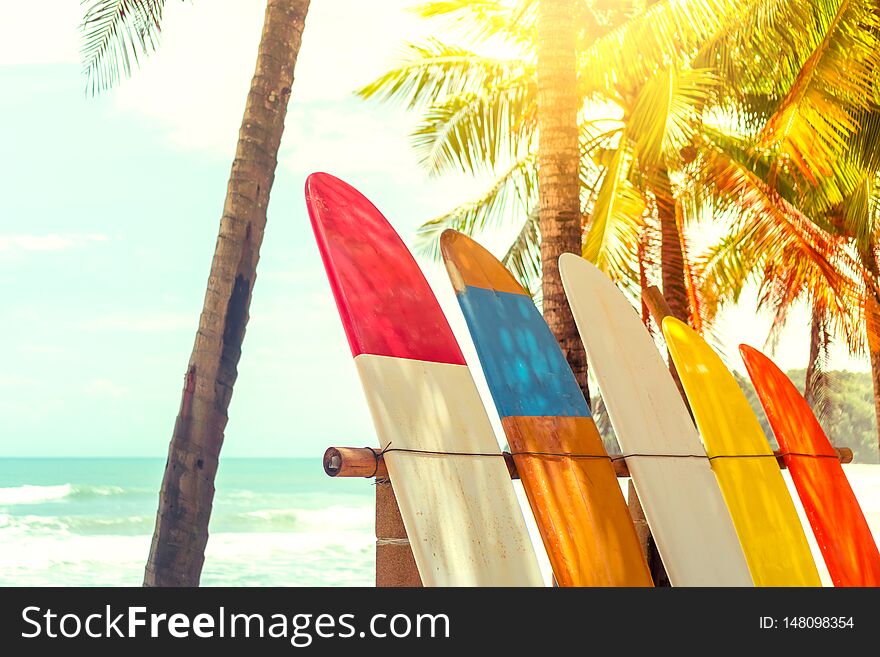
49, 242
105, 388
27, 36
196, 84
333, 139
19, 382
138, 323
287, 276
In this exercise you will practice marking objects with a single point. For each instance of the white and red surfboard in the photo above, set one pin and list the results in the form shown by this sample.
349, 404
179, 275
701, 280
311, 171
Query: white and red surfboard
460, 512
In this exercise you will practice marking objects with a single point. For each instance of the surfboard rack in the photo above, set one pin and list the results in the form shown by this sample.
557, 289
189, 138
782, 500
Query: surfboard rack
395, 564
364, 462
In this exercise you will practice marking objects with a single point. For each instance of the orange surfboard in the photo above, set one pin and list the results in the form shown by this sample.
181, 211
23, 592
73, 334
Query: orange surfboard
829, 502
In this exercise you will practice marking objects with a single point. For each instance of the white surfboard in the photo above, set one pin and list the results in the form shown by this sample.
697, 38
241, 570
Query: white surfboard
461, 514
681, 498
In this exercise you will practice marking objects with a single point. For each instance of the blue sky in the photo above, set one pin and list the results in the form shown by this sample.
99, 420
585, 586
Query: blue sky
109, 210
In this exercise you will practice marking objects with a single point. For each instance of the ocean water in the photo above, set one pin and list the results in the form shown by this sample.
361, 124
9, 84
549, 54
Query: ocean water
276, 522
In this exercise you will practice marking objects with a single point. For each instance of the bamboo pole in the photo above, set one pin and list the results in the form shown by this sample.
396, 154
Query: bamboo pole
363, 462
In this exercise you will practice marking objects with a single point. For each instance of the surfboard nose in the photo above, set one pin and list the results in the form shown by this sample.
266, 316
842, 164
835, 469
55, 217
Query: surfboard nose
750, 353
318, 178
470, 264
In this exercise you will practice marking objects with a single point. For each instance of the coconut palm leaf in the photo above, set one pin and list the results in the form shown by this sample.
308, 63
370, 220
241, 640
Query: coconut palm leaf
523, 258
761, 54
482, 20
835, 82
616, 219
663, 119
434, 70
662, 35
864, 147
476, 132
772, 243
115, 33
513, 194
859, 212
791, 277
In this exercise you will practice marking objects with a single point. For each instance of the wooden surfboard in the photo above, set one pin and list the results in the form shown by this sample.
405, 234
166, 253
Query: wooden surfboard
460, 512
834, 513
578, 506
763, 513
683, 504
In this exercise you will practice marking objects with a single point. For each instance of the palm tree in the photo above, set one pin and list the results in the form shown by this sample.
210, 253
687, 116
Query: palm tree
115, 33
773, 243
812, 126
479, 112
558, 161
798, 79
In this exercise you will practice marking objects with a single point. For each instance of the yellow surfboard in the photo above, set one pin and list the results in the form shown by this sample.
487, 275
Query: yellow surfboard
764, 515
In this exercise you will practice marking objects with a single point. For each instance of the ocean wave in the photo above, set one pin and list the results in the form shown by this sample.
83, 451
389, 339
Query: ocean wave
294, 519
288, 520
231, 559
34, 525
34, 494
29, 494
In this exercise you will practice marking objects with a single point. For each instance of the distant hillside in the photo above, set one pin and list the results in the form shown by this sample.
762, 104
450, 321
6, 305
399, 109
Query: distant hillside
852, 423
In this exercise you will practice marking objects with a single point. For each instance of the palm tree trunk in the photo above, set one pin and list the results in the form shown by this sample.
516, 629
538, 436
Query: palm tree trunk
872, 326
671, 254
810, 378
178, 548
816, 381
558, 171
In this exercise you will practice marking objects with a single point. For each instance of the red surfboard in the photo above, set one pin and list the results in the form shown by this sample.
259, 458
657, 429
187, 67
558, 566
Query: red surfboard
831, 506
458, 505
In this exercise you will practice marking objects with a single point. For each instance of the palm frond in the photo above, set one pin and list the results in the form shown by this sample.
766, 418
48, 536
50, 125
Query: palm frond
664, 117
836, 81
663, 35
433, 70
859, 212
523, 258
615, 220
478, 131
723, 271
759, 162
513, 194
865, 144
774, 244
760, 53
115, 34
483, 20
